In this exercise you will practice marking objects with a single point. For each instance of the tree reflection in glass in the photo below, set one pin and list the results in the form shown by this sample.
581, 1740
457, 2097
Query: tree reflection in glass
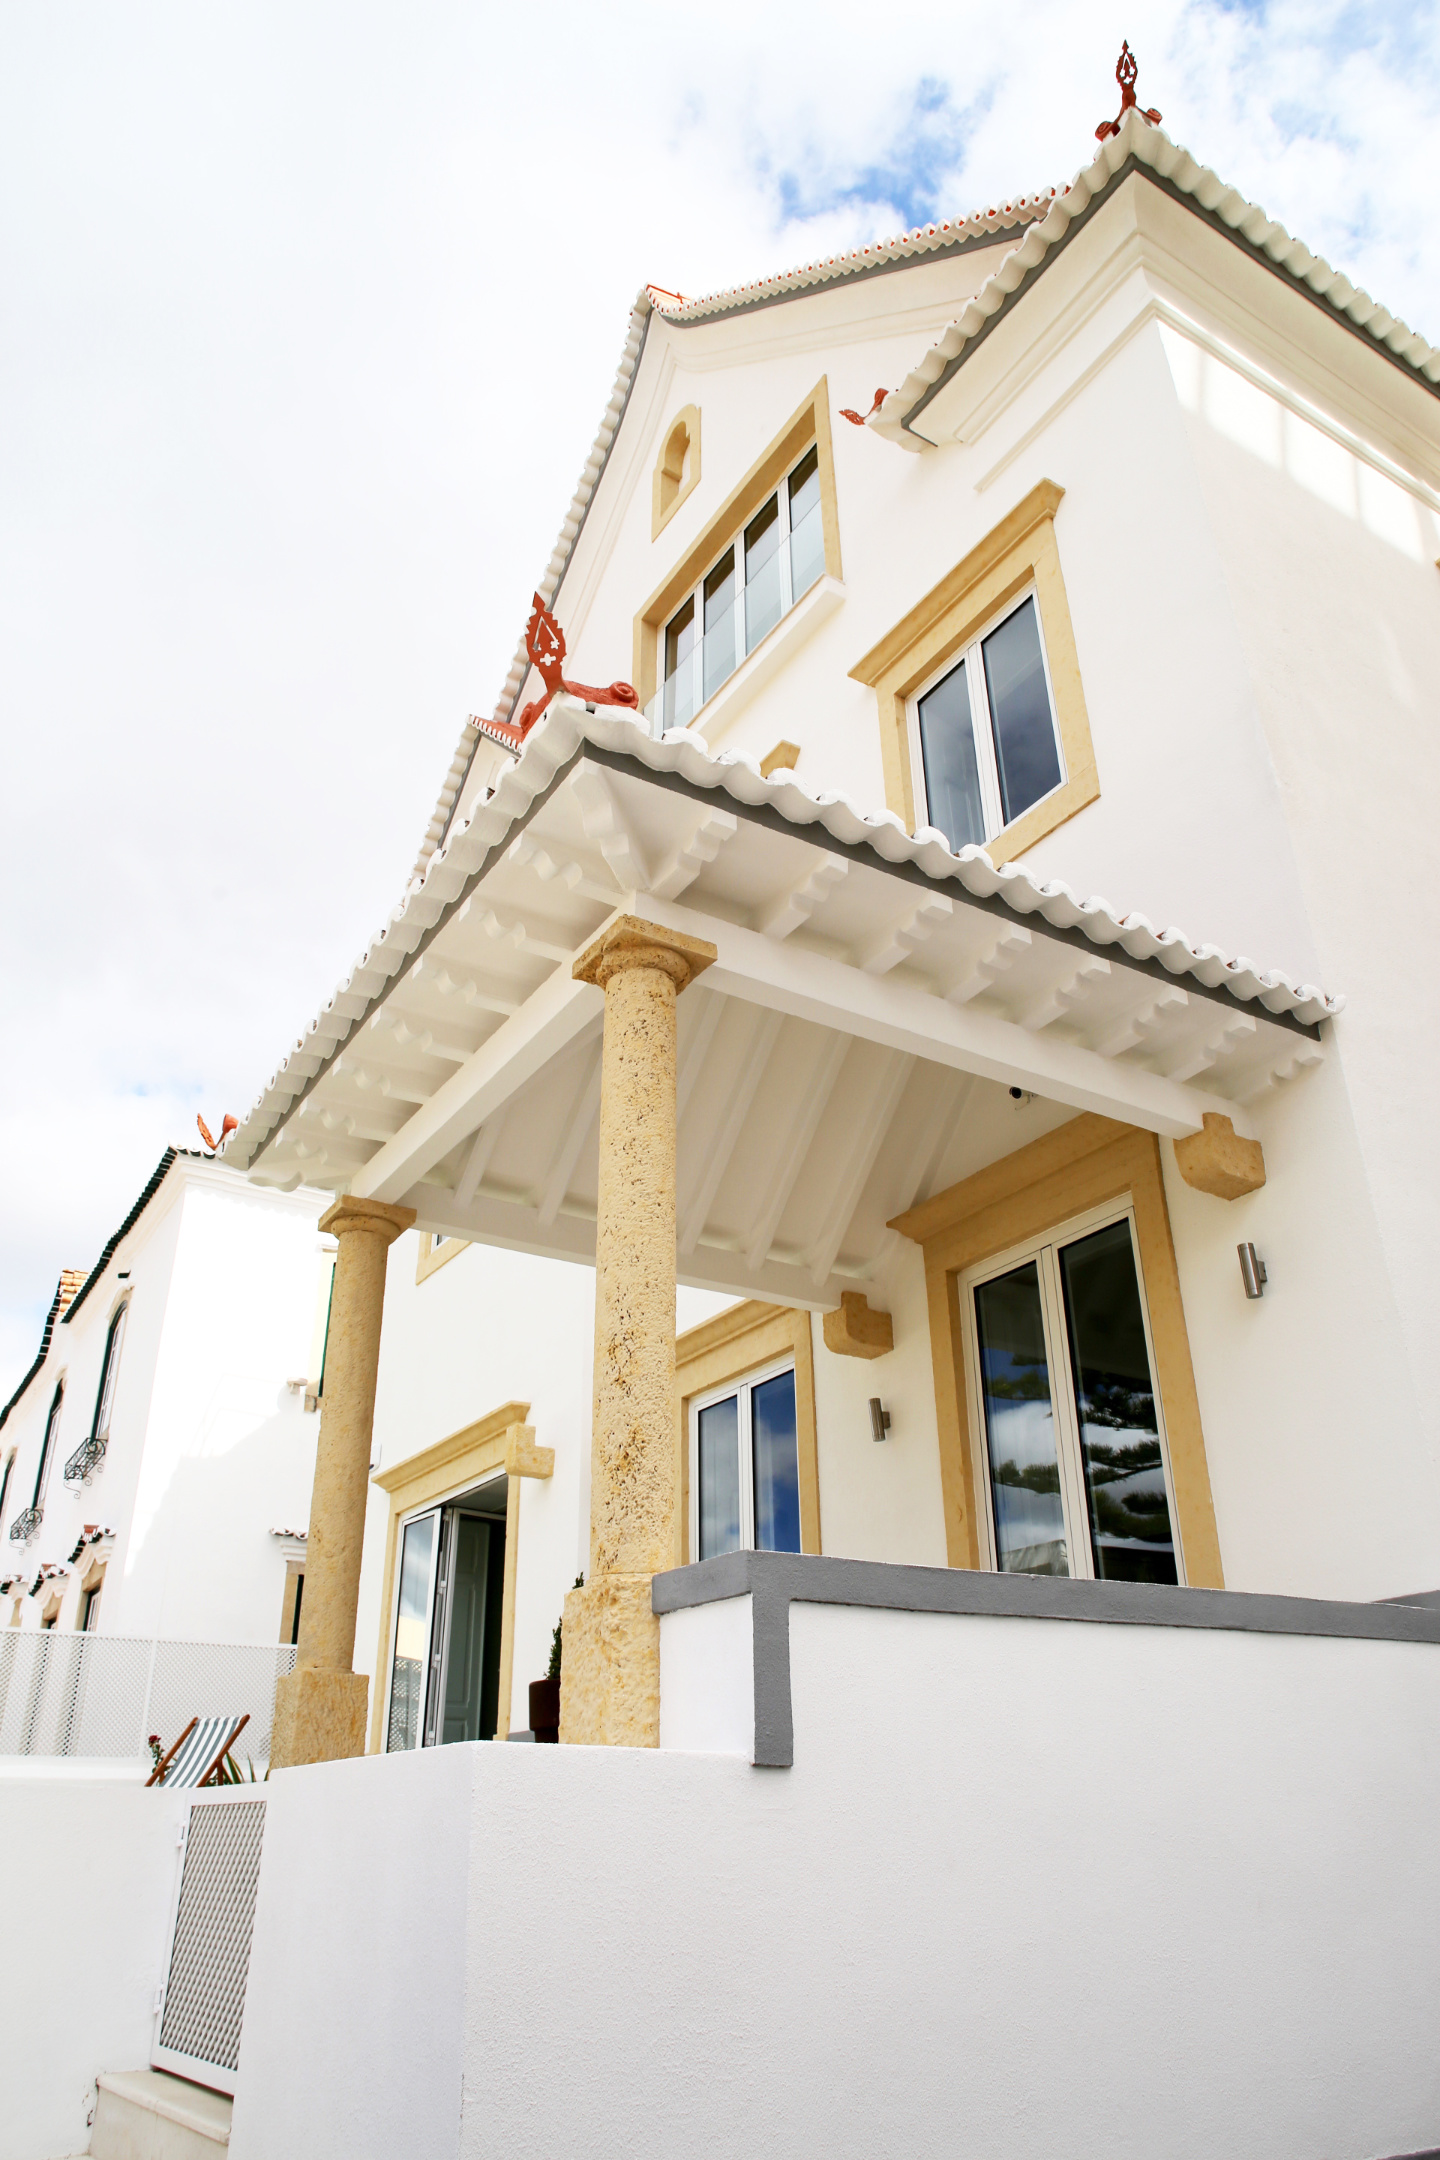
412, 1626
1130, 1530
1020, 1426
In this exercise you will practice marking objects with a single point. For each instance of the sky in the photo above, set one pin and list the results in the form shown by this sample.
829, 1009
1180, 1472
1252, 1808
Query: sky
310, 314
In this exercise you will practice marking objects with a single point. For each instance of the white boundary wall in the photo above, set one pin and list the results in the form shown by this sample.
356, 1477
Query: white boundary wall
1031, 1887
89, 1877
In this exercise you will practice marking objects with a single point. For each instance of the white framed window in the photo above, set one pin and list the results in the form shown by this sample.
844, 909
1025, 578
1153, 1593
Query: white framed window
751, 585
745, 1466
1069, 1430
984, 741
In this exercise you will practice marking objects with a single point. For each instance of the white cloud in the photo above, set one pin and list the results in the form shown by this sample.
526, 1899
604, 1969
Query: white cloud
310, 316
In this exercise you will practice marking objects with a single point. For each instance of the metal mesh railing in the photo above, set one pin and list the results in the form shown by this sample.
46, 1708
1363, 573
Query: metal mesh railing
102, 1695
210, 1955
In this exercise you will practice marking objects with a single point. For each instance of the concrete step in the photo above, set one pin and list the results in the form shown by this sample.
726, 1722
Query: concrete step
149, 2115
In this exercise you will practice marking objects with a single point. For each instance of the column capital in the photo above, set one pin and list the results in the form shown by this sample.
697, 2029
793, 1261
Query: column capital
375, 1217
630, 942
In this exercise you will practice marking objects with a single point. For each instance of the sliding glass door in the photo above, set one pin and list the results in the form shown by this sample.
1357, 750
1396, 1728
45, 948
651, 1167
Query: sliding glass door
445, 1656
1069, 1430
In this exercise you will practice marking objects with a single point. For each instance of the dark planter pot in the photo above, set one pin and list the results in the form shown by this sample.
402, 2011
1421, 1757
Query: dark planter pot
545, 1709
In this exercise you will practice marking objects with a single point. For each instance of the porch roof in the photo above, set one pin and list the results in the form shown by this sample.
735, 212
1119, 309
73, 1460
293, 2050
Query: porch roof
875, 999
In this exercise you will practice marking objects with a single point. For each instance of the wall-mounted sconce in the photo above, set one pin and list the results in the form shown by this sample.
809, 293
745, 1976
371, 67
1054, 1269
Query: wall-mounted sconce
879, 1419
1252, 1271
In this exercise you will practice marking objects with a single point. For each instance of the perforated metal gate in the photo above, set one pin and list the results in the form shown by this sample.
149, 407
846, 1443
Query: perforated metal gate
198, 2024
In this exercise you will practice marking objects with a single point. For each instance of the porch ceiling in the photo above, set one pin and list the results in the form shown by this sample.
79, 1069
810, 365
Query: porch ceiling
851, 1051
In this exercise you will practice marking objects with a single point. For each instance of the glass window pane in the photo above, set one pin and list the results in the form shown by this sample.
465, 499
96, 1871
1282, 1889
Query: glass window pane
762, 573
407, 1681
952, 775
777, 1467
1020, 709
805, 487
1119, 1434
679, 667
112, 1367
720, 623
807, 535
719, 1476
1020, 1426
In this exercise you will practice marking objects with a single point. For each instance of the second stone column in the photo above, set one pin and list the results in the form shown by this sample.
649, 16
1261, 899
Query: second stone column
610, 1687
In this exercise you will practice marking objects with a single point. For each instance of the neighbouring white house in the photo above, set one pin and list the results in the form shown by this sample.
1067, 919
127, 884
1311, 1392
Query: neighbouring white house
971, 1335
155, 1470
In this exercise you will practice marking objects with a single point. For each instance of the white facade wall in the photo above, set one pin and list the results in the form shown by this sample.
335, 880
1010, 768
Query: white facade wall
1031, 1887
1258, 630
88, 1906
209, 1449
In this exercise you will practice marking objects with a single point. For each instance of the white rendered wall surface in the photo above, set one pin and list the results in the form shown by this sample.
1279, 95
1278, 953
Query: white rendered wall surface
89, 1905
1032, 1887
209, 1450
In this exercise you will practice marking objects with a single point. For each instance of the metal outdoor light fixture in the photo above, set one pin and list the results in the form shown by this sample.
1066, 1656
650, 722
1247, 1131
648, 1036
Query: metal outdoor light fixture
879, 1419
1252, 1271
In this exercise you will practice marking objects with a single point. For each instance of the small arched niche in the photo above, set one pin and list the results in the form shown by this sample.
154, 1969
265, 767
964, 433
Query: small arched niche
677, 468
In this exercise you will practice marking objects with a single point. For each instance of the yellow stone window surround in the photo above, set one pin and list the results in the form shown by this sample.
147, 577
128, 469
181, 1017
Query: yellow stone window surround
809, 423
434, 1252
501, 1440
677, 469
1020, 552
1082, 1165
729, 1347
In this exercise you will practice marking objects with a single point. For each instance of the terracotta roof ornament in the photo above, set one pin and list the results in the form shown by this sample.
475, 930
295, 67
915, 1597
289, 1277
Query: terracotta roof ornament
858, 419
230, 1125
1126, 69
545, 650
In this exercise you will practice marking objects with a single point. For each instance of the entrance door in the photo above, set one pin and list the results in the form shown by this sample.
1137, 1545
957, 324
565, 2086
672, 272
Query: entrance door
1075, 1465
447, 1629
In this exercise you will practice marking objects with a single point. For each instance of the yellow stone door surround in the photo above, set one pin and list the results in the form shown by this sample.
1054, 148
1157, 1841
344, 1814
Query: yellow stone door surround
501, 1440
1081, 1165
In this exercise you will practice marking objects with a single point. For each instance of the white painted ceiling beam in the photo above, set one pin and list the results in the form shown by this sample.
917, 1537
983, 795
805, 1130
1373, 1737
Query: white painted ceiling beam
871, 1127
515, 1227
558, 1014
763, 1027
795, 1152
813, 986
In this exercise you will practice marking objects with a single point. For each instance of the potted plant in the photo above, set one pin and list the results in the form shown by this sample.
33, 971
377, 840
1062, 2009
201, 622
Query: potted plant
545, 1694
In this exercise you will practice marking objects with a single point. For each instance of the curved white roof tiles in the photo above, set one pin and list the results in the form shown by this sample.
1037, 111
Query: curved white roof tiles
565, 730
1139, 144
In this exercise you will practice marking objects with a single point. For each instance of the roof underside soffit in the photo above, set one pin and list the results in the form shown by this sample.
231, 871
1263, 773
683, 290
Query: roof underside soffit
852, 1051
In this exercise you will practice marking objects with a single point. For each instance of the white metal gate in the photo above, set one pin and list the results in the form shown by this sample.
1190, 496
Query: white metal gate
199, 2016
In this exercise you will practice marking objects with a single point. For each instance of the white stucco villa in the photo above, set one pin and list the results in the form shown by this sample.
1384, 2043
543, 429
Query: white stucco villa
156, 1462
1000, 1709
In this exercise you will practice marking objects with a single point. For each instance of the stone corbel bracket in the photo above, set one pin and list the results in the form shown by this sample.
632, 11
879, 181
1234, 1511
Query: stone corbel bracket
1217, 1160
857, 1331
523, 1458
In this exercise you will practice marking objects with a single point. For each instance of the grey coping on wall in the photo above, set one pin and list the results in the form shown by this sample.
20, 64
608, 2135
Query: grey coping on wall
775, 1580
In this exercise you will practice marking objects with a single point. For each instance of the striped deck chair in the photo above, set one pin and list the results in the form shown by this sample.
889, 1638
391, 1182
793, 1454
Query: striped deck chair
200, 1750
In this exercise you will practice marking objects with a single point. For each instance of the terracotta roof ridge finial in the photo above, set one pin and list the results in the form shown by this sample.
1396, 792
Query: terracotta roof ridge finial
1126, 69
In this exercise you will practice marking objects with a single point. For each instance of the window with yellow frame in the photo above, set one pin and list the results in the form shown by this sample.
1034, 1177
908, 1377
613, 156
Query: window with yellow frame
984, 731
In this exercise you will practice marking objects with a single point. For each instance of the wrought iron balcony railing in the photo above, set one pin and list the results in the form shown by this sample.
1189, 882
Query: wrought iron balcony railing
85, 1461
25, 1526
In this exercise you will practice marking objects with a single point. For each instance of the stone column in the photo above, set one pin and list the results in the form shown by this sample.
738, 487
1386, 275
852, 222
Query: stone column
610, 1675
320, 1707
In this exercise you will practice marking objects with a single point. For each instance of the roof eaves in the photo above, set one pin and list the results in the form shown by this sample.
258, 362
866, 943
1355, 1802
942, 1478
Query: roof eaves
1141, 148
549, 586
157, 1179
683, 759
43, 1352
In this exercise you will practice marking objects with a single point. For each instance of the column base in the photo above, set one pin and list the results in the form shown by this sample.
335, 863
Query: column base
610, 1674
319, 1717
